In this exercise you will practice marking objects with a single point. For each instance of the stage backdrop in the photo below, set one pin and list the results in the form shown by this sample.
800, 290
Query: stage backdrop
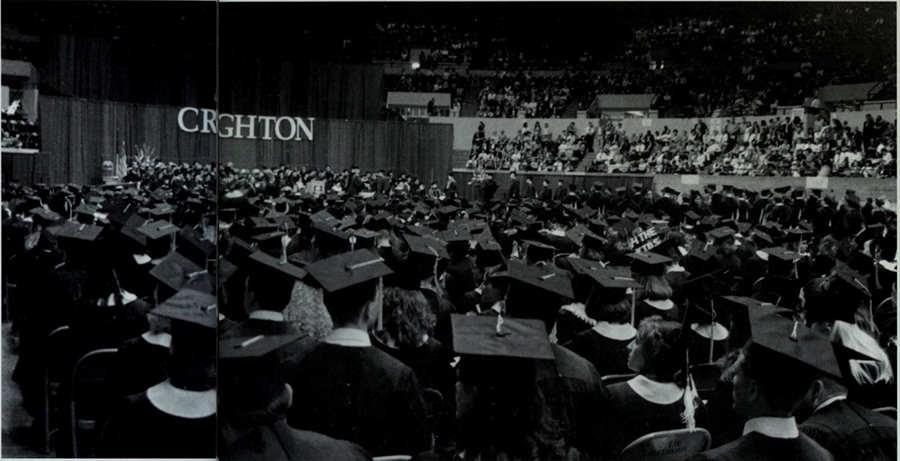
425, 150
79, 134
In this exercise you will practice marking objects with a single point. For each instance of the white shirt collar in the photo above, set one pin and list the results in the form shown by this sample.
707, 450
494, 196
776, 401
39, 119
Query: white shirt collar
349, 337
158, 339
836, 398
662, 304
776, 428
656, 392
619, 332
267, 315
181, 403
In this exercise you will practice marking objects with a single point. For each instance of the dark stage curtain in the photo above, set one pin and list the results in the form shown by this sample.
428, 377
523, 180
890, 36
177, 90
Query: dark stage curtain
425, 150
80, 134
258, 86
128, 70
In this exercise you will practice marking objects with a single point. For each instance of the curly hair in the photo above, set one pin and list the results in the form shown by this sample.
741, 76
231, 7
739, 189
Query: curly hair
407, 316
663, 351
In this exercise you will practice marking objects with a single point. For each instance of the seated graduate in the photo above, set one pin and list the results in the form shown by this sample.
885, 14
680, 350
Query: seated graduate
141, 361
498, 412
569, 390
344, 387
847, 429
254, 401
771, 378
177, 417
657, 399
407, 321
606, 343
835, 306
655, 297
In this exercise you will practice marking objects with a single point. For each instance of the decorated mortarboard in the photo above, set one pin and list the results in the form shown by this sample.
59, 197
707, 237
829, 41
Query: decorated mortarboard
347, 270
178, 272
156, 230
476, 335
542, 278
791, 343
191, 306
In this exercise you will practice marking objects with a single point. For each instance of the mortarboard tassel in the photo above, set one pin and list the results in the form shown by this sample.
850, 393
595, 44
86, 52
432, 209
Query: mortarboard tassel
793, 336
500, 331
712, 330
633, 307
249, 342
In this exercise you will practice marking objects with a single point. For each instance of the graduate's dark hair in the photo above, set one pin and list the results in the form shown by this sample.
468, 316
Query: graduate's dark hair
781, 381
345, 306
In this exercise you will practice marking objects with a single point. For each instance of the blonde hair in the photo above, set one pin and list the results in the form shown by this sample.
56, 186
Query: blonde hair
864, 371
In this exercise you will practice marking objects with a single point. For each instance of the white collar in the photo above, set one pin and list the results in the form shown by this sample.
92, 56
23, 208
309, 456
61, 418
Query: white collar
656, 392
267, 315
577, 309
158, 339
181, 403
827, 402
663, 304
770, 426
349, 337
619, 332
719, 332
675, 268
141, 259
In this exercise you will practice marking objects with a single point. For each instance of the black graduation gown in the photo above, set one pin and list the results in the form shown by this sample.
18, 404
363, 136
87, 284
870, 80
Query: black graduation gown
278, 442
609, 356
628, 416
757, 447
360, 394
136, 366
571, 396
852, 432
140, 430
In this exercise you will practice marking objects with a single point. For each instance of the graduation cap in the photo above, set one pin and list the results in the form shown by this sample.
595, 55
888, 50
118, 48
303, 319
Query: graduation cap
613, 283
254, 369
176, 272
542, 278
425, 247
155, 230
75, 234
44, 216
538, 251
783, 190
190, 306
721, 235
781, 260
347, 270
850, 282
787, 344
669, 190
649, 263
85, 213
500, 337
191, 244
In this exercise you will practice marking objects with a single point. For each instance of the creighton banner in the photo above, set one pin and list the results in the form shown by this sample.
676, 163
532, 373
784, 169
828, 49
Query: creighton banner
194, 120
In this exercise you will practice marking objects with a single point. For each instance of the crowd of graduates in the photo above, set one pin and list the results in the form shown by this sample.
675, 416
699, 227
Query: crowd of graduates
110, 293
365, 318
